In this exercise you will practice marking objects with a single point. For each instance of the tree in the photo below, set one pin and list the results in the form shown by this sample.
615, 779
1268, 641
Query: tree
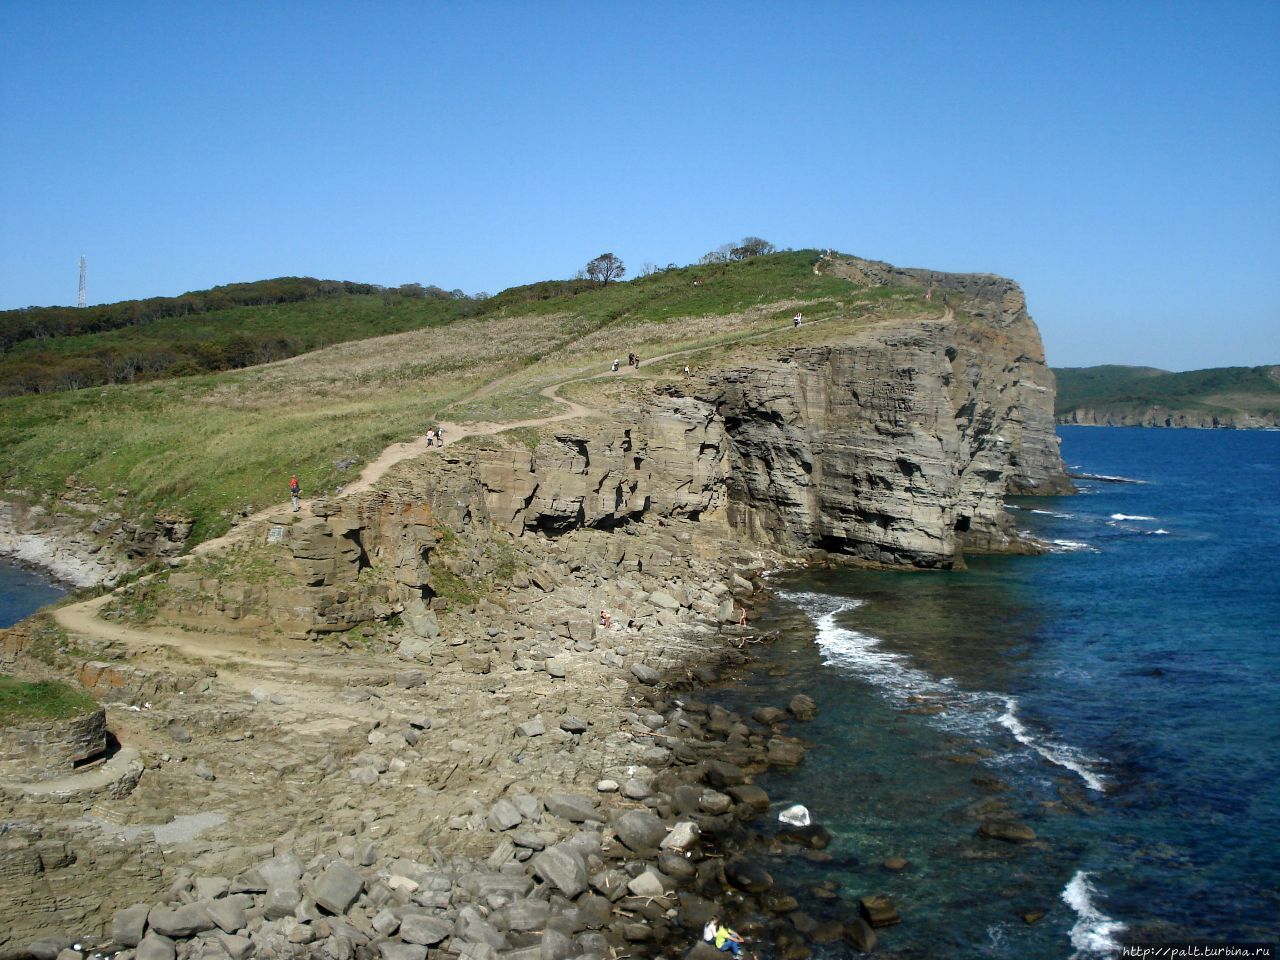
604, 268
751, 247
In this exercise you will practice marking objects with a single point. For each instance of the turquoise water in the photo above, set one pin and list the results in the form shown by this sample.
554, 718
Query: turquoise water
22, 593
1120, 696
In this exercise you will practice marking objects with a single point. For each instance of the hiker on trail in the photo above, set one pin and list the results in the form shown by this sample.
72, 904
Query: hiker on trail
797, 319
928, 294
631, 359
726, 940
295, 494
431, 437
440, 436
687, 371
605, 619
637, 361
614, 368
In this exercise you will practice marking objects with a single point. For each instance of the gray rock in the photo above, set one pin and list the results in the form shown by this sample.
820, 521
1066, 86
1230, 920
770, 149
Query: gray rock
1007, 830
409, 679
364, 776
532, 728
423, 928
646, 675
555, 667
204, 772
286, 869
802, 707
337, 888
385, 923
647, 884
128, 925
610, 884
526, 915
229, 915
860, 936
664, 600
636, 790
528, 839
561, 867
682, 836
211, 888
281, 901
573, 808
155, 947
401, 951
747, 875
721, 774
181, 921
504, 815
639, 830
571, 723
556, 945
237, 947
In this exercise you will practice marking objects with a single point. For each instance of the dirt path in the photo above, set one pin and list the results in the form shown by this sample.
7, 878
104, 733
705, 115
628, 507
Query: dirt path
83, 617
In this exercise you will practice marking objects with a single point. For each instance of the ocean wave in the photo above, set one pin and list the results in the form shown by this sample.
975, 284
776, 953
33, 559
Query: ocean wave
971, 713
1129, 516
1058, 754
1072, 546
1094, 933
1162, 532
1104, 478
1054, 513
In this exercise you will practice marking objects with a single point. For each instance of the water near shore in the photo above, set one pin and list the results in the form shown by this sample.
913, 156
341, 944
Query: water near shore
23, 592
1118, 696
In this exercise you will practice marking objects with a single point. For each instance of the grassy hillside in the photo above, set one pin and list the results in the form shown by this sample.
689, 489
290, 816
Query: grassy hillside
46, 350
205, 446
1129, 390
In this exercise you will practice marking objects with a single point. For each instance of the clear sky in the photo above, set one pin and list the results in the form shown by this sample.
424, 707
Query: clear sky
1120, 160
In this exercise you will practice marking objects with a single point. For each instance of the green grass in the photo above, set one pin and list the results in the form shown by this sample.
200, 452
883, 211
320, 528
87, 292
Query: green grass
211, 445
23, 701
1217, 390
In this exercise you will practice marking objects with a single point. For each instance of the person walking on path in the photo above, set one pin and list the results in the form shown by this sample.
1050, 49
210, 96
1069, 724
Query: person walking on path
295, 493
614, 368
797, 320
439, 436
431, 437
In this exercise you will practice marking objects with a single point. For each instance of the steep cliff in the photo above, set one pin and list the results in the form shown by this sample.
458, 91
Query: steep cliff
894, 442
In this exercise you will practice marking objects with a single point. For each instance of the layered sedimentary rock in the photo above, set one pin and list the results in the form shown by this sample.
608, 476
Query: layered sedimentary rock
1163, 417
895, 444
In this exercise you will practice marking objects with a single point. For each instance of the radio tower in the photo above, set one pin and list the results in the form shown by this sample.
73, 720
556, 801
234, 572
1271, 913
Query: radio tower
80, 298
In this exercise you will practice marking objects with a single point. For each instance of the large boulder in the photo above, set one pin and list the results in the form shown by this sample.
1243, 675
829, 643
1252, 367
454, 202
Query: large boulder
562, 867
337, 888
639, 830
747, 875
573, 808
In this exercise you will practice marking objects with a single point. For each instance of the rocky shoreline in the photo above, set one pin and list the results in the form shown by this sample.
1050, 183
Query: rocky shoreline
57, 546
633, 824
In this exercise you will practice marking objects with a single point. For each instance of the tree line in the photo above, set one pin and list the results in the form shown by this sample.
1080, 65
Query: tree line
43, 323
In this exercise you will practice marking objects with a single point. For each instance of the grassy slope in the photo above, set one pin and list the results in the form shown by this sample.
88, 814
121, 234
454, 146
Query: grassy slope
1222, 390
207, 445
23, 702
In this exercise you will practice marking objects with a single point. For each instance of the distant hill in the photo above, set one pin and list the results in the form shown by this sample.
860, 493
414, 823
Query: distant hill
1238, 397
51, 349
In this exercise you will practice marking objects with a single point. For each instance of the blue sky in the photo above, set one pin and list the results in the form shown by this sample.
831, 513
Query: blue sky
1119, 160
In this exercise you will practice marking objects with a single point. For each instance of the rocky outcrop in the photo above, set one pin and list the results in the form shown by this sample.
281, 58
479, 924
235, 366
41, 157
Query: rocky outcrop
84, 552
1164, 417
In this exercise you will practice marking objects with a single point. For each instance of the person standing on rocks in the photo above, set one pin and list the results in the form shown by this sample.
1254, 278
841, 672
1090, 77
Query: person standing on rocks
295, 493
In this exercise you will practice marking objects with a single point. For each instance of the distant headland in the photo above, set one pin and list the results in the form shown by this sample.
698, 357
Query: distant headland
1120, 396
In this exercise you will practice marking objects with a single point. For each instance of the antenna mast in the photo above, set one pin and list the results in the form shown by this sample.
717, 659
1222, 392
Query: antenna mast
80, 298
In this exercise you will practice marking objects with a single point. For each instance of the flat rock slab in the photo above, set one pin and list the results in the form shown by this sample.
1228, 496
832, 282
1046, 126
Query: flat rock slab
424, 929
639, 830
571, 807
562, 867
337, 888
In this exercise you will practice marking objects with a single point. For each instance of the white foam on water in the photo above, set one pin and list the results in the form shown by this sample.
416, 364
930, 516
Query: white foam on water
1056, 753
1129, 516
1162, 532
1055, 513
1073, 546
973, 713
1094, 933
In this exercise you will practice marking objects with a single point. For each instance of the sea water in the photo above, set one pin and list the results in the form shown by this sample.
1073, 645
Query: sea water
1119, 695
23, 592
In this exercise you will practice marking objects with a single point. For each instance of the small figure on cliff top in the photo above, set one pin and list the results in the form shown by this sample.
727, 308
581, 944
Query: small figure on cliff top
614, 367
631, 359
295, 493
431, 437
687, 371
797, 320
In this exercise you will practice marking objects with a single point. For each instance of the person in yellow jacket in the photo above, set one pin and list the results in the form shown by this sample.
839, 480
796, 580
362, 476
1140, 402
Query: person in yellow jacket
728, 941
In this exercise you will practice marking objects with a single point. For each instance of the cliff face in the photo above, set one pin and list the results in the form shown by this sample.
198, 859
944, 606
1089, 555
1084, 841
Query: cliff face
895, 445
1164, 417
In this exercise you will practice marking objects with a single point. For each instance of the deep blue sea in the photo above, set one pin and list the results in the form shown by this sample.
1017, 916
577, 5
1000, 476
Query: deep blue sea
1120, 696
22, 593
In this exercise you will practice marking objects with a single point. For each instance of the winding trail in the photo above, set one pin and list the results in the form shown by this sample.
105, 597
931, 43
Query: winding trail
82, 618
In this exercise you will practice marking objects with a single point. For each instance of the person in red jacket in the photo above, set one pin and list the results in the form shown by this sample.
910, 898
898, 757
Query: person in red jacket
295, 494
